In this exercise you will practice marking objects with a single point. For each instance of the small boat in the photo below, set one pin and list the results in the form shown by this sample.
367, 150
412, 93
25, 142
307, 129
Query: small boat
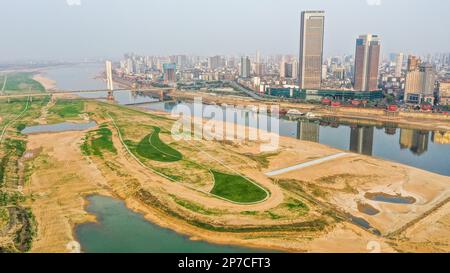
312, 115
294, 112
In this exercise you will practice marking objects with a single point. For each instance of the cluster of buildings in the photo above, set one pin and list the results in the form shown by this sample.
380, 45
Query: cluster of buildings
415, 79
312, 78
365, 75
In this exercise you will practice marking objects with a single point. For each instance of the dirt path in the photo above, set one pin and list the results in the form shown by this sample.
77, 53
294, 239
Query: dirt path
44, 111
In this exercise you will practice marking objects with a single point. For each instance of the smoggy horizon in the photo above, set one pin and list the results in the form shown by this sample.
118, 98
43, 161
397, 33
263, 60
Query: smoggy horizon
76, 29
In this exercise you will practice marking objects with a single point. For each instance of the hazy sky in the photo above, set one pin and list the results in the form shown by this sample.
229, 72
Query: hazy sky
61, 29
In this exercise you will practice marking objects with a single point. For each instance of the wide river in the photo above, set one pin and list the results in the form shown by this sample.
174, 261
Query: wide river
121, 230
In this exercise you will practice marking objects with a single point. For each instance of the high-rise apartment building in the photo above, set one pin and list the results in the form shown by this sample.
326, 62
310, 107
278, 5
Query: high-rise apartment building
399, 65
258, 64
169, 70
413, 63
215, 62
245, 67
311, 49
420, 81
367, 59
282, 67
444, 92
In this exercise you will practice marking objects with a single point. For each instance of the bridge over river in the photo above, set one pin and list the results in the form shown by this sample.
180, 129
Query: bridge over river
159, 91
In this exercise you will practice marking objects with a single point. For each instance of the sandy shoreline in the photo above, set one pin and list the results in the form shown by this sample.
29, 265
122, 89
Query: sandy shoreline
48, 84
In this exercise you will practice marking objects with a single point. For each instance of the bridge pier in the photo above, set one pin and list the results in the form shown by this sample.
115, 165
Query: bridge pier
110, 95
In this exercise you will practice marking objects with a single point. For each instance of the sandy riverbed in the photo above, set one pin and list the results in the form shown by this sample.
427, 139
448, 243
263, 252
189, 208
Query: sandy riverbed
61, 181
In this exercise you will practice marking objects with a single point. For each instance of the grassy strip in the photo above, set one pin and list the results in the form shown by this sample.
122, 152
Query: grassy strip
194, 206
24, 236
236, 188
149, 199
151, 147
4, 217
14, 148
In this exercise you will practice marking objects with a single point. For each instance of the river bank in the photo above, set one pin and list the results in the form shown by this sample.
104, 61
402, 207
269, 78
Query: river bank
342, 237
426, 121
64, 176
48, 84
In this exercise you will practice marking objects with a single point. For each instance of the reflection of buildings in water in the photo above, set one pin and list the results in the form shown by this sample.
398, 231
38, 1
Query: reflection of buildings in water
308, 131
414, 140
441, 137
390, 131
361, 140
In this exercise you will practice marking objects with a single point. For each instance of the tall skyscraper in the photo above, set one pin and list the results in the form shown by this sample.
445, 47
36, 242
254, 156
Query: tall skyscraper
282, 67
245, 67
169, 70
429, 81
367, 59
258, 64
399, 65
109, 80
311, 49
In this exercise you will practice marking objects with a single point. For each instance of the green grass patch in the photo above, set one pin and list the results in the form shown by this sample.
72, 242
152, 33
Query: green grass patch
21, 126
98, 141
236, 188
11, 198
10, 110
153, 148
67, 108
297, 206
22, 81
273, 216
4, 217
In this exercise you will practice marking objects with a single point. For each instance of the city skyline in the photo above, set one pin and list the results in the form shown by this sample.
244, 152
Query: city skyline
202, 28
